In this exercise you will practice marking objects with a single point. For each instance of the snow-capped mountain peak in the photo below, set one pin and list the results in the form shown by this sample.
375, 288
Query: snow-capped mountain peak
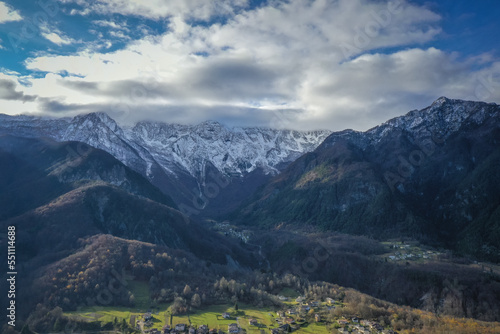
183, 159
233, 151
443, 117
93, 120
176, 148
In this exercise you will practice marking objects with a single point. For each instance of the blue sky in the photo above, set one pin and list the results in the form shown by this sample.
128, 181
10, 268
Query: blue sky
301, 64
469, 27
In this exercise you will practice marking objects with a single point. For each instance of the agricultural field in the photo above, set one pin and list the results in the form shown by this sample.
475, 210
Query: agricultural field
210, 316
103, 314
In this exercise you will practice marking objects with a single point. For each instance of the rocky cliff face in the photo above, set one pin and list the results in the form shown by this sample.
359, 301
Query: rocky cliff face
58, 192
232, 151
431, 174
183, 161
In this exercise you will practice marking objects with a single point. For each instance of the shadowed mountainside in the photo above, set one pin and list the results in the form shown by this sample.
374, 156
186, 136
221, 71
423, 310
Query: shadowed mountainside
432, 174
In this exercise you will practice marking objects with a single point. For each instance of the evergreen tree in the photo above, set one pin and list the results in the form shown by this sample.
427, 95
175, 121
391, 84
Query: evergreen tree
26, 330
58, 326
124, 325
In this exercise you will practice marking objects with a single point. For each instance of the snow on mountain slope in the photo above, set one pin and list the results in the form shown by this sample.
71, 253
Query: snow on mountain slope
185, 149
175, 148
233, 151
237, 151
438, 121
176, 157
30, 126
443, 118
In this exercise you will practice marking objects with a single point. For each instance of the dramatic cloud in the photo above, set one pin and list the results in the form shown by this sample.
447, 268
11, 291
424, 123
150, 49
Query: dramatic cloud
376, 86
8, 92
302, 64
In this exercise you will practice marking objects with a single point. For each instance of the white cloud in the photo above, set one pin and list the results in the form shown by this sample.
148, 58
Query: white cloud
116, 29
56, 39
286, 57
322, 28
7, 13
156, 9
109, 24
374, 88
119, 35
55, 35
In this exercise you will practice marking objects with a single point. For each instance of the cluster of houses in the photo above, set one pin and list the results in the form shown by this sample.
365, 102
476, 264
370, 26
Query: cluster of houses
357, 326
287, 320
406, 252
233, 328
183, 328
290, 320
225, 228
203, 329
147, 321
286, 328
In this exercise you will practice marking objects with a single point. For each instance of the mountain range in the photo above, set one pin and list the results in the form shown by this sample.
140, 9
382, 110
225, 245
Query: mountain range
76, 188
432, 174
189, 163
62, 196
46, 190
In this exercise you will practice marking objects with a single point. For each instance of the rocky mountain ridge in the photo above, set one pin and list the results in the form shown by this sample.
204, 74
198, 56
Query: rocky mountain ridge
431, 175
235, 151
177, 158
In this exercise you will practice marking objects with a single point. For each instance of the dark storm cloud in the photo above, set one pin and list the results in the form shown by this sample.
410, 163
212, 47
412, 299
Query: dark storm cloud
8, 92
53, 106
223, 80
235, 79
192, 113
83, 86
